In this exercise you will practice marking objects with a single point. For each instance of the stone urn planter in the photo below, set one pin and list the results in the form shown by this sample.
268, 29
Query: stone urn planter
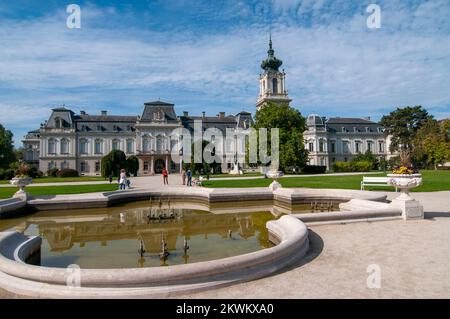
275, 175
21, 182
411, 208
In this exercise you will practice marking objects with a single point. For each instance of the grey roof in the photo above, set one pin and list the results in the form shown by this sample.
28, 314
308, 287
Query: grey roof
159, 111
314, 119
62, 109
104, 118
349, 120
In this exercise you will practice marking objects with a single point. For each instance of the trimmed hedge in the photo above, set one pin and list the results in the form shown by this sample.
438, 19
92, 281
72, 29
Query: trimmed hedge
314, 169
53, 172
360, 166
68, 172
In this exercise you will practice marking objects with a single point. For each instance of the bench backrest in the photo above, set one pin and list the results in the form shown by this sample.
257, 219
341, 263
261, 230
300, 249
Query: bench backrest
374, 179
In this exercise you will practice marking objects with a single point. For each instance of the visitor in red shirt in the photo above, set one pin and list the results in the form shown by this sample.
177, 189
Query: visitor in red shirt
165, 175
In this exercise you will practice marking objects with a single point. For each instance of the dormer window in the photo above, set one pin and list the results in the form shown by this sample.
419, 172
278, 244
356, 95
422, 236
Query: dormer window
99, 128
157, 116
57, 122
344, 130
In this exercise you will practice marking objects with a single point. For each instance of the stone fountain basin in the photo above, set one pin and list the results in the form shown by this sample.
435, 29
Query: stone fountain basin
289, 233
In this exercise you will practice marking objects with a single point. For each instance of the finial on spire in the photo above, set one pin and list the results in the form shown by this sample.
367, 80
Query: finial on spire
270, 40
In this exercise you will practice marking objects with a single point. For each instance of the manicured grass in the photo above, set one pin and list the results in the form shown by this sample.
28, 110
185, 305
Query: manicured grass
7, 192
432, 181
229, 175
63, 179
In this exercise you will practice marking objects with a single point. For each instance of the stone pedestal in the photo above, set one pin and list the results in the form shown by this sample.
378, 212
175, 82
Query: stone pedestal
235, 170
21, 183
411, 209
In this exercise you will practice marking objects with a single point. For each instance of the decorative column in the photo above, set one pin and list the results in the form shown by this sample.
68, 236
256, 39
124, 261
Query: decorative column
167, 162
181, 165
152, 165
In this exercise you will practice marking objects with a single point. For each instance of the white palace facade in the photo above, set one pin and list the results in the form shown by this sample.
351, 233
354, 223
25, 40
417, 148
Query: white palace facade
79, 141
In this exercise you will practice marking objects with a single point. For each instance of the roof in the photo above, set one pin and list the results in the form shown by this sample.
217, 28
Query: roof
158, 103
104, 118
349, 120
61, 109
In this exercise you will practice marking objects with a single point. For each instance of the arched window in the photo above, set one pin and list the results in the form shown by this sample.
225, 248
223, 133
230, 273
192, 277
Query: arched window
64, 146
159, 144
52, 146
98, 147
275, 86
146, 145
83, 146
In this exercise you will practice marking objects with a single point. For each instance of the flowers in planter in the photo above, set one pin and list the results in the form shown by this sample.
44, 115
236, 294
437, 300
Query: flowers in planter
22, 171
404, 170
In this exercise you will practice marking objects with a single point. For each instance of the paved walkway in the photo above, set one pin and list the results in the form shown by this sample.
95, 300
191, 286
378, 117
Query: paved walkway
174, 179
413, 256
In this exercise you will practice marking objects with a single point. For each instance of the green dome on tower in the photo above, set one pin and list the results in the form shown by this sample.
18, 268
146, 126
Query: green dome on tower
271, 63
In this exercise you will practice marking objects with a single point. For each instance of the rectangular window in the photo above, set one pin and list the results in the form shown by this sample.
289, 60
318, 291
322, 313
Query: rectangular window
311, 147
369, 146
380, 147
145, 166
97, 166
129, 146
320, 146
98, 147
333, 147
83, 167
357, 147
345, 147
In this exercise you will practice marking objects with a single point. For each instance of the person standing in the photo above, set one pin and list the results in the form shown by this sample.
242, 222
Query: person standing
165, 175
183, 176
189, 177
122, 180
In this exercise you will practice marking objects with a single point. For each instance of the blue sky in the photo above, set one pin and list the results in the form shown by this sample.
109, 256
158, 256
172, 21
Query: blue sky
205, 56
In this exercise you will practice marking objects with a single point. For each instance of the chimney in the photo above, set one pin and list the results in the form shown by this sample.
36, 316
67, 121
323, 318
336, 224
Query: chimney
82, 112
221, 115
105, 113
203, 114
185, 114
367, 118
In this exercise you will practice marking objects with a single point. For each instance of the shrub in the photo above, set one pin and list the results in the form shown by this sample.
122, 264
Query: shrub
53, 172
314, 169
7, 173
362, 166
34, 172
132, 165
68, 172
113, 162
342, 167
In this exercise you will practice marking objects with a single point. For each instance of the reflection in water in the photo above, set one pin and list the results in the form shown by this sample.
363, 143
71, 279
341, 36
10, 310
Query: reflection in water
144, 236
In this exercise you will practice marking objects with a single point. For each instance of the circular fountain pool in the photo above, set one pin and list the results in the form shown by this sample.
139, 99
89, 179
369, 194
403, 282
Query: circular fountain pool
116, 237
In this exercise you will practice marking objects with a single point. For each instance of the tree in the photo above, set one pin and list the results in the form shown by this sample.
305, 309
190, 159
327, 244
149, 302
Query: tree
403, 124
7, 155
367, 157
291, 125
113, 162
432, 143
132, 165
203, 167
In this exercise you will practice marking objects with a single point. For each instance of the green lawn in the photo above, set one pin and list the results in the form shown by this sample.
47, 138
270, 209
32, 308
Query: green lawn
432, 181
7, 192
63, 179
229, 175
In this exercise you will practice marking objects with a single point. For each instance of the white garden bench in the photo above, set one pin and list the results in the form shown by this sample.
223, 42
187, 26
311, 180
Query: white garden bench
374, 181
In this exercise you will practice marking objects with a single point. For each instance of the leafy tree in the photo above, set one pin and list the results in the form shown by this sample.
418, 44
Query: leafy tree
113, 162
291, 125
132, 165
403, 125
204, 167
7, 155
432, 143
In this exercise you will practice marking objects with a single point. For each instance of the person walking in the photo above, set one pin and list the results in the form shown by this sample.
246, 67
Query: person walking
183, 176
165, 175
189, 177
122, 180
110, 178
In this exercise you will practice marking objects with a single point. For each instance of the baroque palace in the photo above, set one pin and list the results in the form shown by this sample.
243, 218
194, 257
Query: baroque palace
79, 141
